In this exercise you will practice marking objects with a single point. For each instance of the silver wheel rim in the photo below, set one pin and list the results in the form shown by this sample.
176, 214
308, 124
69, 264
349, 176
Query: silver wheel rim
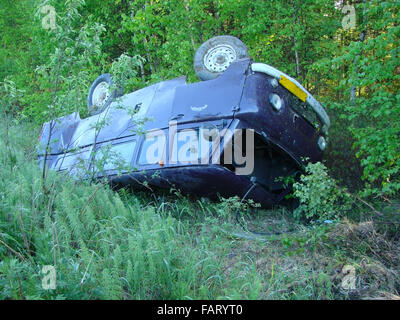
101, 94
219, 58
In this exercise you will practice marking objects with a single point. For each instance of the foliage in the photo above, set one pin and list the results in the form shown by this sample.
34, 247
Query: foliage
319, 196
67, 73
374, 117
102, 244
9, 96
24, 45
124, 71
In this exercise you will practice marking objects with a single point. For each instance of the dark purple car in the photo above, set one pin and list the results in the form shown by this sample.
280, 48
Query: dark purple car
245, 125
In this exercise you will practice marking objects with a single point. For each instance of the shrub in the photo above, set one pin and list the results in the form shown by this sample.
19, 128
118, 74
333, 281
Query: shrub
319, 195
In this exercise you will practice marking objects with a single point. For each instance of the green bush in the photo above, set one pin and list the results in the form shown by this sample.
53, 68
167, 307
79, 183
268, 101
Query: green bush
318, 194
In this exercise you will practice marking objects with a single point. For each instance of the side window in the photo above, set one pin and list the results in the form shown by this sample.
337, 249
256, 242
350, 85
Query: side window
185, 147
112, 157
153, 148
190, 147
67, 161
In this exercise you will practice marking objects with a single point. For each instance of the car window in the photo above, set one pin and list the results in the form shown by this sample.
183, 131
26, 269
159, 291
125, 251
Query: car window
69, 161
115, 156
189, 147
153, 148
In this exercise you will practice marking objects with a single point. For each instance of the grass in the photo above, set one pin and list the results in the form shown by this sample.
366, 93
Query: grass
107, 244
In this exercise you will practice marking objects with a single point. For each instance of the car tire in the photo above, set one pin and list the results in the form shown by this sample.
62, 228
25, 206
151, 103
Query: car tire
216, 54
101, 94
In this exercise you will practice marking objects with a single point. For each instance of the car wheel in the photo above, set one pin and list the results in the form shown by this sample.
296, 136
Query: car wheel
101, 94
216, 54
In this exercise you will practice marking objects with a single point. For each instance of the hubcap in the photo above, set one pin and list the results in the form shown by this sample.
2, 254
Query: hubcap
101, 94
218, 58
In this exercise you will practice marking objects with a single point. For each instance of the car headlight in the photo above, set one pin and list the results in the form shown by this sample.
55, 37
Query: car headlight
322, 143
275, 101
274, 83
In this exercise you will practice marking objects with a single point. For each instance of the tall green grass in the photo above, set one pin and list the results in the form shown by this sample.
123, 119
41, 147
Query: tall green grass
103, 244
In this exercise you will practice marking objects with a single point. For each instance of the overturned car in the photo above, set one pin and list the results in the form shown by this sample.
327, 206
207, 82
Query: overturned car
245, 126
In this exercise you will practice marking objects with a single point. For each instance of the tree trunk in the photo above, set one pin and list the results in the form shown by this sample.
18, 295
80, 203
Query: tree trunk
296, 53
186, 5
141, 65
355, 63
